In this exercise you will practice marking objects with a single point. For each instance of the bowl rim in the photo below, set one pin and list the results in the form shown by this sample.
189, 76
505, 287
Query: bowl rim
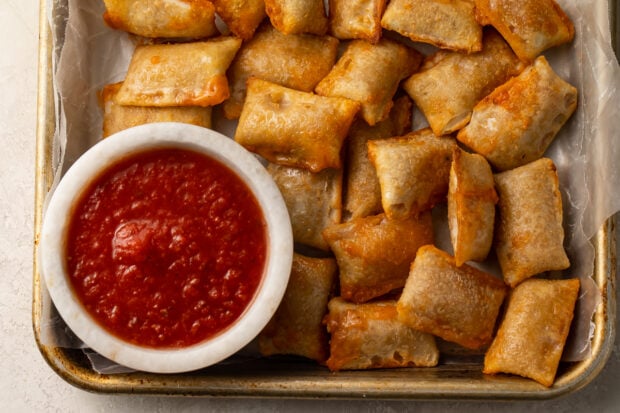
151, 137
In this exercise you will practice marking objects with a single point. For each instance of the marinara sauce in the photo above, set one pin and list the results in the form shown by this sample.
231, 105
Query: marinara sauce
166, 248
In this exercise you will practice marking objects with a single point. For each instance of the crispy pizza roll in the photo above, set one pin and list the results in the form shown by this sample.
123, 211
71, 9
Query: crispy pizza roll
458, 304
185, 74
362, 196
297, 16
529, 235
445, 24
532, 335
517, 122
297, 326
162, 18
294, 128
370, 336
413, 171
451, 83
471, 207
297, 61
241, 16
529, 26
374, 253
117, 118
356, 19
313, 200
370, 74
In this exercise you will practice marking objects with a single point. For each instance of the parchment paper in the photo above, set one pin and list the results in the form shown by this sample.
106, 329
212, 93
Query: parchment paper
89, 55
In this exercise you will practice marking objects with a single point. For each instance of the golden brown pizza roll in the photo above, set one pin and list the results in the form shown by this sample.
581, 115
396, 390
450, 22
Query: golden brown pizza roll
445, 24
297, 16
451, 83
370, 74
117, 117
529, 26
162, 18
531, 337
370, 336
374, 253
413, 171
517, 122
529, 235
294, 128
241, 16
313, 200
356, 19
362, 196
471, 207
184, 74
297, 61
297, 326
458, 304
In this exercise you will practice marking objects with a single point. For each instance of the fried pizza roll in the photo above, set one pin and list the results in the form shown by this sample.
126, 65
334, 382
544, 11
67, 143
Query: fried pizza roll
185, 74
370, 74
450, 83
374, 253
445, 24
529, 235
241, 16
117, 117
517, 122
294, 128
471, 207
362, 196
297, 326
458, 304
297, 61
162, 18
413, 171
529, 26
356, 19
297, 16
370, 336
532, 335
313, 200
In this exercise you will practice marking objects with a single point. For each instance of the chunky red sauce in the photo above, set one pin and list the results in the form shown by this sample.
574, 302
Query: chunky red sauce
166, 248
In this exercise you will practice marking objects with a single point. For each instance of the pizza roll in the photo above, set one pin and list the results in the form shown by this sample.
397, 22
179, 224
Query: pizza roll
294, 128
529, 235
450, 84
162, 18
297, 16
374, 253
471, 207
313, 200
356, 19
370, 336
532, 335
529, 26
517, 122
445, 24
458, 304
241, 16
117, 118
413, 171
295, 61
297, 326
363, 193
183, 74
370, 74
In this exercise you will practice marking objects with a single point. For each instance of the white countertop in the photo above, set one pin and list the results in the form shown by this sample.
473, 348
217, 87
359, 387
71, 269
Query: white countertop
27, 383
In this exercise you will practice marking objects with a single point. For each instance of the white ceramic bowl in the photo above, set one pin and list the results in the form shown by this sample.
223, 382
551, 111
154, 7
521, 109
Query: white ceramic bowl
142, 138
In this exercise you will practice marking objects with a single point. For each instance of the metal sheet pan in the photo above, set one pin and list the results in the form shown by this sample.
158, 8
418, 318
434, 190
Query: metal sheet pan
457, 377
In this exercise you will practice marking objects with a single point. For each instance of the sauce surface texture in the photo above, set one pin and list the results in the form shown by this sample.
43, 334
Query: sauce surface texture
166, 248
